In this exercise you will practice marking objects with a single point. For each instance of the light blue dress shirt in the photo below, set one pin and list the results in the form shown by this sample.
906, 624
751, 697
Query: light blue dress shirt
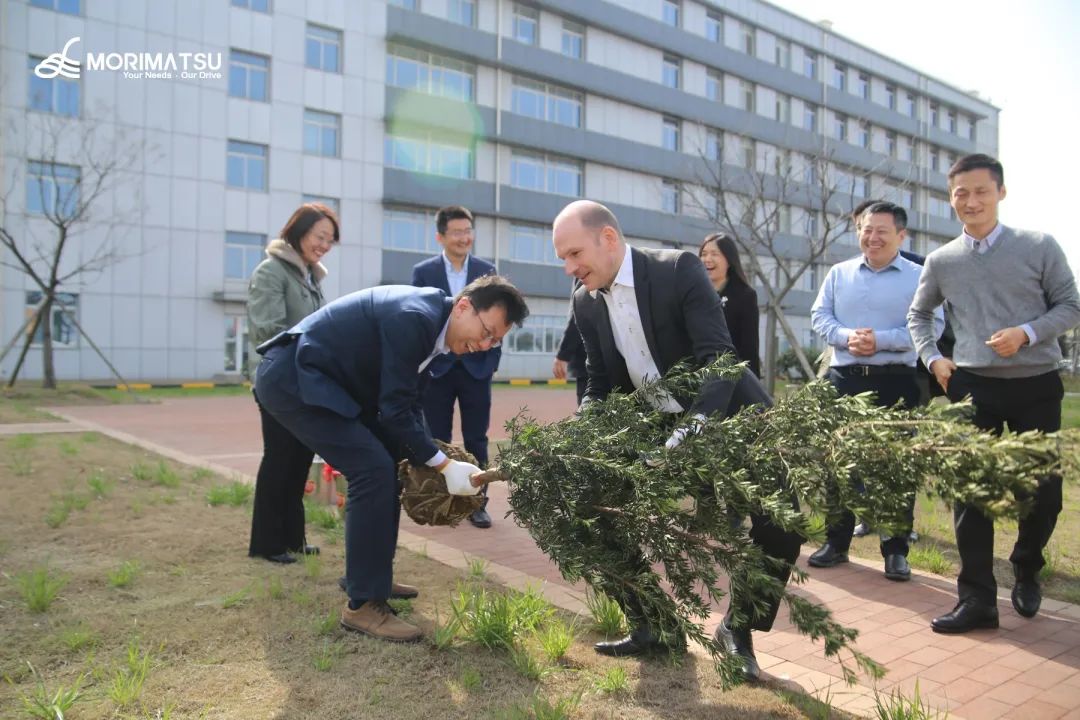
456, 279
854, 295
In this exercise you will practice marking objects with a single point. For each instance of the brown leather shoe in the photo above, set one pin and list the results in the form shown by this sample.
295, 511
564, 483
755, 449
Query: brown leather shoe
377, 619
401, 591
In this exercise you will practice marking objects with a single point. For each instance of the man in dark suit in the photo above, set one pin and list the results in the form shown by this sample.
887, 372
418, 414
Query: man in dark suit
465, 379
570, 358
639, 313
347, 381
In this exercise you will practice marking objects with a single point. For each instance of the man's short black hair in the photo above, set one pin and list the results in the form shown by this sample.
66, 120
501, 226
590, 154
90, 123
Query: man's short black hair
451, 212
491, 290
977, 161
858, 210
898, 213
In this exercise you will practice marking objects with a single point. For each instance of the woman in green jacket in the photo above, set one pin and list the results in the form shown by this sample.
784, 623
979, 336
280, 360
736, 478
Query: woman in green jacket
284, 289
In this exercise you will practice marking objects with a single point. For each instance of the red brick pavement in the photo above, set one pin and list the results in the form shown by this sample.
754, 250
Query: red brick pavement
1027, 669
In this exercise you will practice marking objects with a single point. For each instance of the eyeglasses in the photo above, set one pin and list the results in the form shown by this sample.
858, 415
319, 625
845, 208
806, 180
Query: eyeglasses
460, 233
488, 335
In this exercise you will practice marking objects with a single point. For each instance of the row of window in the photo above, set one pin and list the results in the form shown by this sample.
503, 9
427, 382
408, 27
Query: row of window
249, 73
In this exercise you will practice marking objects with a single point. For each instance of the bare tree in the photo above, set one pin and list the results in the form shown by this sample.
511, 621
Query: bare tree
72, 167
788, 208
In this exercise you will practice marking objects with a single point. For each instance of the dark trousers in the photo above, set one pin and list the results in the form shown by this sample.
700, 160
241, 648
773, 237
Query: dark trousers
890, 389
1031, 403
473, 398
354, 448
581, 380
277, 520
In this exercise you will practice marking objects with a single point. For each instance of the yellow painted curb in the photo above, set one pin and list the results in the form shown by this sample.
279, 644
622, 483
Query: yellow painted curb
197, 385
556, 381
134, 386
520, 381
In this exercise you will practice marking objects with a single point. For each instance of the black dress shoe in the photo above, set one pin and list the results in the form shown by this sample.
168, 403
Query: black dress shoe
284, 558
739, 642
897, 568
969, 614
480, 519
311, 549
862, 530
827, 556
641, 641
1026, 594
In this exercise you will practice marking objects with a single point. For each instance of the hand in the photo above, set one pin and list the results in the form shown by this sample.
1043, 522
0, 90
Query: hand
1008, 342
862, 342
459, 477
696, 423
943, 369
558, 370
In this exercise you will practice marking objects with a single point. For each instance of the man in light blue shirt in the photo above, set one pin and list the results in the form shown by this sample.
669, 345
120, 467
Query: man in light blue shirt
861, 313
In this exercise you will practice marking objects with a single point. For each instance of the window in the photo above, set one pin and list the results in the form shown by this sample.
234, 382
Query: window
428, 154
573, 40
739, 151
746, 95
951, 127
669, 137
409, 230
840, 126
935, 160
407, 4
810, 59
545, 173
714, 27
322, 48
539, 334
810, 117
532, 244
245, 165
670, 12
669, 197
671, 72
58, 95
332, 203
462, 12
70, 7
783, 108
890, 97
810, 225
783, 54
909, 104
862, 86
62, 329
863, 138
243, 251
526, 26
713, 145
906, 148
322, 133
934, 115
52, 189
419, 70
971, 128
840, 77
858, 186
938, 206
236, 344
249, 75
546, 102
890, 143
714, 85
746, 38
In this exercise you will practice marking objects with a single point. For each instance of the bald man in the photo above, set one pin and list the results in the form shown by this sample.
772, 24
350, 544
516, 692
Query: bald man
641, 311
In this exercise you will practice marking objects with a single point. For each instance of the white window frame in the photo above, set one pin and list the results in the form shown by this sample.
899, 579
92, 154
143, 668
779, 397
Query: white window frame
322, 123
249, 64
324, 38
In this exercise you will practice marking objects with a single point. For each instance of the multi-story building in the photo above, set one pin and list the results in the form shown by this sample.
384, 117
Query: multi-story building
388, 111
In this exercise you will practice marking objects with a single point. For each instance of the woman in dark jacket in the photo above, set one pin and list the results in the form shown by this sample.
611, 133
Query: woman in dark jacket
721, 259
284, 289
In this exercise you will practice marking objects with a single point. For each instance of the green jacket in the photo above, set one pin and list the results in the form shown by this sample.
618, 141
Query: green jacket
283, 291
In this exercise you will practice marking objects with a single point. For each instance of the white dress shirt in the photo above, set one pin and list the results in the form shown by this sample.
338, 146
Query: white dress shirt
440, 348
629, 334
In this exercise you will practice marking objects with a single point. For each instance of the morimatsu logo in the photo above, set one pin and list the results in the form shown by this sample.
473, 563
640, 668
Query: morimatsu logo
135, 66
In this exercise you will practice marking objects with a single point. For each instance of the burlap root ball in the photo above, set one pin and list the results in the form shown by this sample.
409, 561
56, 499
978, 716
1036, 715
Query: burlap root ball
425, 498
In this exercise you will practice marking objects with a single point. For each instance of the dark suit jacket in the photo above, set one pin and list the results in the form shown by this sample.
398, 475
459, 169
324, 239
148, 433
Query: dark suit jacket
681, 318
571, 350
741, 313
359, 356
432, 273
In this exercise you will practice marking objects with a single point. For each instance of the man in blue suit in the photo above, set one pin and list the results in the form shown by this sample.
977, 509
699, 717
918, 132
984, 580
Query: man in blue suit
347, 381
465, 379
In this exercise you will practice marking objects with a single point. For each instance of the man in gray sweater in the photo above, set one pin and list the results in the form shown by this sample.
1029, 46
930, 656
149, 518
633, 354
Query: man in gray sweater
1011, 294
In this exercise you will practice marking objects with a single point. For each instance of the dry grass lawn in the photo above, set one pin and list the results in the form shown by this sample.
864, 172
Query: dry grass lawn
163, 615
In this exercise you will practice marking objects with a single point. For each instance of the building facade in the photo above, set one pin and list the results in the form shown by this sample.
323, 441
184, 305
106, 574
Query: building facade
388, 111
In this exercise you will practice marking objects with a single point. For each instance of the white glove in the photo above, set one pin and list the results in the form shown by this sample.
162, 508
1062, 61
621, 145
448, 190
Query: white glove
459, 477
680, 434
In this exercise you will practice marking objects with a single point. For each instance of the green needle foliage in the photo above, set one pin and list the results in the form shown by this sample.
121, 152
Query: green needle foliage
585, 493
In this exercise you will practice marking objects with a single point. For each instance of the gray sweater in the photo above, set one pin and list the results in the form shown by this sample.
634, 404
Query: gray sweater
1023, 278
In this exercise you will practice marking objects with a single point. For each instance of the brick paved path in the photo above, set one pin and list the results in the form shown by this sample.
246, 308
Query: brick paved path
1028, 669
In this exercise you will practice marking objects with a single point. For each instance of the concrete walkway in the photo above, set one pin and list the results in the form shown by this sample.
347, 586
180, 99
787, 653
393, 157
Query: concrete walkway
1028, 669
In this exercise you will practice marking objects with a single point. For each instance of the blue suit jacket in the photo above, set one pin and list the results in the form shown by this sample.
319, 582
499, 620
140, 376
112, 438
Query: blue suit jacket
359, 356
432, 273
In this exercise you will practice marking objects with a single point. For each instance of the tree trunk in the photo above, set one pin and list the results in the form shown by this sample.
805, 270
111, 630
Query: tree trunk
48, 371
26, 348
